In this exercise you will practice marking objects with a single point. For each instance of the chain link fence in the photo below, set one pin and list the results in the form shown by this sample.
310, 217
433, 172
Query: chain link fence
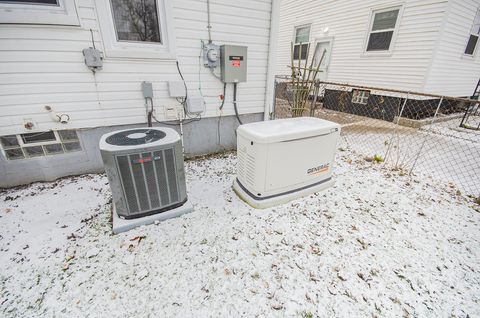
415, 132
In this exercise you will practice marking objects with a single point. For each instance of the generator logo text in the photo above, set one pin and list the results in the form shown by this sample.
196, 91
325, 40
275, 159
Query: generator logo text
319, 169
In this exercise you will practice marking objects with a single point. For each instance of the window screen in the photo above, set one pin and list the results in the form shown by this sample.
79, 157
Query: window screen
40, 2
472, 43
380, 41
296, 51
383, 27
136, 20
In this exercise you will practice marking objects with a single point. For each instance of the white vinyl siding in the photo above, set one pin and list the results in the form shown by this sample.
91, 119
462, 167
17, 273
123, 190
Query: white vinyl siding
43, 65
452, 72
406, 66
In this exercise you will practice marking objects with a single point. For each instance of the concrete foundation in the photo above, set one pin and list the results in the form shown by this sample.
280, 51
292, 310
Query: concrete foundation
205, 136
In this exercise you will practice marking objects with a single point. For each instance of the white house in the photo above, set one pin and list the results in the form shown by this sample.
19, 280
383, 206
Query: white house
429, 46
53, 108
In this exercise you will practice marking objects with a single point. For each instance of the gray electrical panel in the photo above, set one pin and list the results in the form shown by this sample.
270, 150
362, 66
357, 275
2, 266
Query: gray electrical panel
233, 63
147, 90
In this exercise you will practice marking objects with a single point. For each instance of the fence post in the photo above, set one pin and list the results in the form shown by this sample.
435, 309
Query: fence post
274, 102
426, 135
313, 106
396, 126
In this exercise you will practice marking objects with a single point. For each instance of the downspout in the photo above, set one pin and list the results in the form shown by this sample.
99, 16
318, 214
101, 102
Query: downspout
272, 58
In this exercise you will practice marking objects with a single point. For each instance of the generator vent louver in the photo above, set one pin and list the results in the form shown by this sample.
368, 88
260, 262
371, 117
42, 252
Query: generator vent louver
145, 170
246, 165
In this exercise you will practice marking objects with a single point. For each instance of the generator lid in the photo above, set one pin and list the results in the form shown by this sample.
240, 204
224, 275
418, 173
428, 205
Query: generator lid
136, 138
287, 129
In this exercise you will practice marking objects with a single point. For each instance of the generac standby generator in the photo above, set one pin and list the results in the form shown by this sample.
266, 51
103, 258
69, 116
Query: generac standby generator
146, 173
280, 160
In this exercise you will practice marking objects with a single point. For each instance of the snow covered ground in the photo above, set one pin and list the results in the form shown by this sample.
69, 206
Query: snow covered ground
447, 152
378, 243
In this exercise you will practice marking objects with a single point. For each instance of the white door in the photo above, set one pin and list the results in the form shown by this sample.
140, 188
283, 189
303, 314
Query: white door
322, 49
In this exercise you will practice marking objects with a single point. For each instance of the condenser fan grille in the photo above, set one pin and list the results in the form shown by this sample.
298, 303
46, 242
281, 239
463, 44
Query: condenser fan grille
149, 180
135, 137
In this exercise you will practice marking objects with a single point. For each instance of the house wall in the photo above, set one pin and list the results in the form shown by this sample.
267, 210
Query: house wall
348, 23
452, 72
43, 65
218, 134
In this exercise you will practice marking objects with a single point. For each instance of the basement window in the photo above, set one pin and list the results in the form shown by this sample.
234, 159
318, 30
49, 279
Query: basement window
56, 12
31, 145
302, 37
474, 35
360, 96
383, 27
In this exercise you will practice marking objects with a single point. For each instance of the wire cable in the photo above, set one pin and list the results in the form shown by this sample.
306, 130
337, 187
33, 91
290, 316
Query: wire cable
184, 83
184, 122
223, 100
235, 102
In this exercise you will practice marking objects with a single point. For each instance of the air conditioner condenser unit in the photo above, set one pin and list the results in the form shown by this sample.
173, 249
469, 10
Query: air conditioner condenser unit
146, 173
281, 160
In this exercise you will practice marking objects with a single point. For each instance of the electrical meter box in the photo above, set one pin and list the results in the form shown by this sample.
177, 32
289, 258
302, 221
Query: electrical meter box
233, 63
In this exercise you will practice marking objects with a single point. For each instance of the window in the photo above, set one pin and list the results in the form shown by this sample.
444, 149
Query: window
383, 27
137, 28
360, 96
474, 34
59, 12
302, 37
136, 20
39, 144
45, 2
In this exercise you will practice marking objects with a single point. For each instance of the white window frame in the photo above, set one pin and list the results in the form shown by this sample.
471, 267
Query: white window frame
138, 50
24, 13
309, 25
374, 11
360, 98
474, 34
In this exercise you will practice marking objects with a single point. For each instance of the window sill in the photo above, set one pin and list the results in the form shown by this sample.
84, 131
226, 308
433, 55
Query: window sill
129, 53
377, 54
468, 57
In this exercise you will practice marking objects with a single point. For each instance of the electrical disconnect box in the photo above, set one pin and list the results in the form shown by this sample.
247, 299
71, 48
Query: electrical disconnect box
195, 104
176, 89
93, 58
147, 90
233, 63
